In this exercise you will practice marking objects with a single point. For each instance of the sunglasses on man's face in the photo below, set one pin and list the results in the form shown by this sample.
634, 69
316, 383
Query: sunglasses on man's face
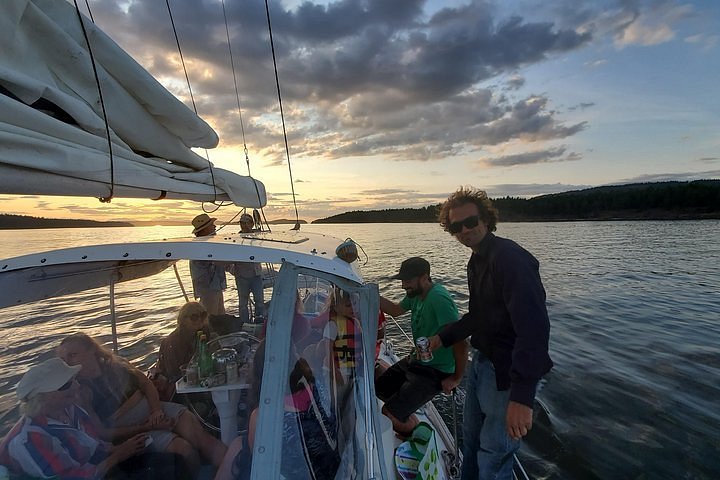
469, 222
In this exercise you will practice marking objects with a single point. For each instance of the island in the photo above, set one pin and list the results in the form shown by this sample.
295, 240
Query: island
694, 200
13, 222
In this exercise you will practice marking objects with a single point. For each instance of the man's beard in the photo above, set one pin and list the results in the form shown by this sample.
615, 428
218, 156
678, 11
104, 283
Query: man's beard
413, 292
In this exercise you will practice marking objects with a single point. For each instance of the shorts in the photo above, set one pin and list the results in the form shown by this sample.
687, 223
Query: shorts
407, 386
139, 414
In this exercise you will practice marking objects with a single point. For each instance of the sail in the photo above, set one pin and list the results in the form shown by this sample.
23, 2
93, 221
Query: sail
53, 138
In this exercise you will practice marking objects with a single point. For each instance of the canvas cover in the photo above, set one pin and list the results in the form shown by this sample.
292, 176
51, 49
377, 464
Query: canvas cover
53, 138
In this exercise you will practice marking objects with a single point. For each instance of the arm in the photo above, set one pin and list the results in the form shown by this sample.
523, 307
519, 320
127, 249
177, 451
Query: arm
524, 298
125, 450
391, 308
115, 433
151, 394
460, 352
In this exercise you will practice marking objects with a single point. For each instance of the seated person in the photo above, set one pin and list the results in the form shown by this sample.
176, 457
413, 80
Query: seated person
410, 383
341, 312
57, 439
177, 349
126, 403
338, 324
309, 445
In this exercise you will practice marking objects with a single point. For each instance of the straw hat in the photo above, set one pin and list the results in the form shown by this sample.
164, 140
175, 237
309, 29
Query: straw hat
44, 377
201, 221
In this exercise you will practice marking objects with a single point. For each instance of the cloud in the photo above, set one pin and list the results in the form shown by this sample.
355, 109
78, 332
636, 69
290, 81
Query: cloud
596, 63
652, 26
706, 42
581, 106
357, 78
515, 82
551, 155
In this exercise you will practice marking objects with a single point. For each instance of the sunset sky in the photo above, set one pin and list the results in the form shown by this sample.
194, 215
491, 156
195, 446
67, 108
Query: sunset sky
395, 103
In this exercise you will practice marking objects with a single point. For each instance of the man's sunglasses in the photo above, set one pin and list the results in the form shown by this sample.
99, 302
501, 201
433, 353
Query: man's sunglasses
469, 222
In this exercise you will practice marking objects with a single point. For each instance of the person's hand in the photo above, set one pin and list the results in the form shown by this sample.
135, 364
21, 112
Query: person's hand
449, 384
518, 420
156, 417
132, 446
434, 342
159, 423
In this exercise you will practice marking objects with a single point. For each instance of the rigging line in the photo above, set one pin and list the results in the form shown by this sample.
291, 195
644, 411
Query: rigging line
282, 116
237, 93
192, 97
102, 103
237, 99
87, 4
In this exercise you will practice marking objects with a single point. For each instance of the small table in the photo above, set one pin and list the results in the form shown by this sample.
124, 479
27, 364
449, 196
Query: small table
226, 399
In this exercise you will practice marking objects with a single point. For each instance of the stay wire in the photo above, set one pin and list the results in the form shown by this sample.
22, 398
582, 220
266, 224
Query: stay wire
282, 115
87, 4
237, 99
192, 99
237, 93
102, 100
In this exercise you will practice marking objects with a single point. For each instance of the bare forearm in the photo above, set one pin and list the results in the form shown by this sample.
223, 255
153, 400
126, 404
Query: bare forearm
150, 392
390, 308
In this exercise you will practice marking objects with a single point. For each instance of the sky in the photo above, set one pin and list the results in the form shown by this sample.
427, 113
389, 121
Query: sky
397, 103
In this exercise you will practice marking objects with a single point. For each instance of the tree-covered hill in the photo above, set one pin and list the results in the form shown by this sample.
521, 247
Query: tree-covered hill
698, 199
11, 222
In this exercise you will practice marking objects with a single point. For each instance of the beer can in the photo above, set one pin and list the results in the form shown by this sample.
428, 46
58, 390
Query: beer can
424, 352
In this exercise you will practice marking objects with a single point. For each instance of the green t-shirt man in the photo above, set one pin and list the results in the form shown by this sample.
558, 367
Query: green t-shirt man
428, 317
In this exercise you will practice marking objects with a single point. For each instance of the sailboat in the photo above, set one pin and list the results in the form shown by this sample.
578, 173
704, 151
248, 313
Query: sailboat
90, 121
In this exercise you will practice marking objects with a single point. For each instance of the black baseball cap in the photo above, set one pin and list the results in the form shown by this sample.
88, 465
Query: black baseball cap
411, 268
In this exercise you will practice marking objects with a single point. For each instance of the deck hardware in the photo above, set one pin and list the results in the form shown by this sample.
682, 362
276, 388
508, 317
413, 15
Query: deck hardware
125, 254
168, 254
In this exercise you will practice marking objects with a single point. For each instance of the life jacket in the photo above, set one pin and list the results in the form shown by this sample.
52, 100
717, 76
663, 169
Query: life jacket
344, 346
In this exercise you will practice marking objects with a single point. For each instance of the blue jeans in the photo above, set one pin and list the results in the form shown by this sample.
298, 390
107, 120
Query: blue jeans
487, 448
245, 286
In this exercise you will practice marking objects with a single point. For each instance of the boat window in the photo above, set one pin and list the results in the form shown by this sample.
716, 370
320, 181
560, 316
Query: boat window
323, 415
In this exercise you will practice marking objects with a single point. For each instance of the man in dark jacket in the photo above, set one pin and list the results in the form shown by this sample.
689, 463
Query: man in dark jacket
509, 328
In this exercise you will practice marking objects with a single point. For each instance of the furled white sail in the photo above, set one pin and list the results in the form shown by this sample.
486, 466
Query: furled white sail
53, 139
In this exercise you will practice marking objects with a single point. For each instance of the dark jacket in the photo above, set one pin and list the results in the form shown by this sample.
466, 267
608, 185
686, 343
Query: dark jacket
507, 317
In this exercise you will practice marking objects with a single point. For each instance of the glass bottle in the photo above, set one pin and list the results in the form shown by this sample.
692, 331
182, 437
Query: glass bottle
205, 363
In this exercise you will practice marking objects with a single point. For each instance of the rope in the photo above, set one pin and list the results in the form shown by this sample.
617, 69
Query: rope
282, 115
237, 93
237, 99
192, 97
102, 102
87, 4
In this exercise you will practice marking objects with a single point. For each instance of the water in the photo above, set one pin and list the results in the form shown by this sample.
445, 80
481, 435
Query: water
634, 308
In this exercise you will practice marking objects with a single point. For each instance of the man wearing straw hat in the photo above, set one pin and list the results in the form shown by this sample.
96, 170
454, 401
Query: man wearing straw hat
208, 278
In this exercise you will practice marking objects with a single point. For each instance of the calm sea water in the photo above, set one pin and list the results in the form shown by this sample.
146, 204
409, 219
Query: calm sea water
634, 307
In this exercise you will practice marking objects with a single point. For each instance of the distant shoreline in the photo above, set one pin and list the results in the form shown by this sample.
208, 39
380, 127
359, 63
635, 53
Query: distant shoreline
24, 222
64, 223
